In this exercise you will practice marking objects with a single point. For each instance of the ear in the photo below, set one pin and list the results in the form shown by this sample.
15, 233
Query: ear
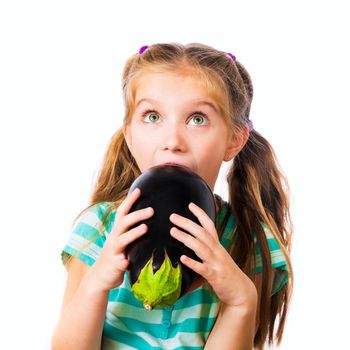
127, 135
235, 144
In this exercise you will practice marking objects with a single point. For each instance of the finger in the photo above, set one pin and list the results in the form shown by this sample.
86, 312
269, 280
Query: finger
191, 227
202, 250
123, 240
204, 219
201, 268
121, 263
127, 203
133, 218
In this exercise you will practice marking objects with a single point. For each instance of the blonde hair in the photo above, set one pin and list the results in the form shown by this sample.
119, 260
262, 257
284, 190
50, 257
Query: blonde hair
258, 190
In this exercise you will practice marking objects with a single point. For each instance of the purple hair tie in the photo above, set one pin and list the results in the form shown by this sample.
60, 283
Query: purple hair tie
250, 124
143, 49
232, 56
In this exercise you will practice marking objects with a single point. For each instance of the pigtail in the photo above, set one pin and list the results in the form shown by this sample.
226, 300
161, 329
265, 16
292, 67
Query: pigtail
260, 195
118, 171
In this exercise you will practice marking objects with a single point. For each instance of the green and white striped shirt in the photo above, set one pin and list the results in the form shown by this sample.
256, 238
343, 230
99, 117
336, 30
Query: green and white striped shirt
185, 325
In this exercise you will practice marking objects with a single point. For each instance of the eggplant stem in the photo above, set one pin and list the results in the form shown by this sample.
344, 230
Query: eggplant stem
148, 307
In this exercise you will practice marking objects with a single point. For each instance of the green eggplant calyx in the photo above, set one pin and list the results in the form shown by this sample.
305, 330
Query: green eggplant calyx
159, 289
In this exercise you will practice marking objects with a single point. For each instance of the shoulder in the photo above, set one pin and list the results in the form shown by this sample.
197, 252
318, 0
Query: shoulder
225, 222
276, 252
278, 260
89, 233
99, 216
223, 212
96, 211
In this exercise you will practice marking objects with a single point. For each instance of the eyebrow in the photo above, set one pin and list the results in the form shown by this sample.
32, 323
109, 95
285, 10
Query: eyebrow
197, 102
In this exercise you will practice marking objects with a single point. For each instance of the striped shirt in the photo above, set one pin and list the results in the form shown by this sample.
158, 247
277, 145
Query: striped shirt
185, 325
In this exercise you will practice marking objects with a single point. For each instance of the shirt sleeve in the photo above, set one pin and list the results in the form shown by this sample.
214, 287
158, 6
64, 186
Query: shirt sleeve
278, 261
88, 235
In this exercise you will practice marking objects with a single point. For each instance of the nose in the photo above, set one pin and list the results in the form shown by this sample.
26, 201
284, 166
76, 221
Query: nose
174, 139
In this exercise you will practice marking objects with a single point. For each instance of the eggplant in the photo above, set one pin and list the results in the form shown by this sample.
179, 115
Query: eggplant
156, 274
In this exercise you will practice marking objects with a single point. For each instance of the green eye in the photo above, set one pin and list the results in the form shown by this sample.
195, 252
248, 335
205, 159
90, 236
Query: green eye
198, 119
151, 116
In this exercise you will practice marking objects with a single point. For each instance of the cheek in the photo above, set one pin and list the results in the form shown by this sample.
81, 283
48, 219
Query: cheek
210, 159
206, 162
211, 151
143, 150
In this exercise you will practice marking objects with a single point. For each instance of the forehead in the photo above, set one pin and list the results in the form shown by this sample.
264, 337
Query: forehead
199, 102
154, 87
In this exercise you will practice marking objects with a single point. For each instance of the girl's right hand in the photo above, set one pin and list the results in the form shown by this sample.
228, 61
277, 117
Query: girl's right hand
108, 270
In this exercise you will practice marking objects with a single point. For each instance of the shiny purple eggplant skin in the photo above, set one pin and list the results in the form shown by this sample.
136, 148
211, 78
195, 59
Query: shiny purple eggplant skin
167, 189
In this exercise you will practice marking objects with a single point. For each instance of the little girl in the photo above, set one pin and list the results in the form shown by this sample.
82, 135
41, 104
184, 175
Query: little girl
187, 105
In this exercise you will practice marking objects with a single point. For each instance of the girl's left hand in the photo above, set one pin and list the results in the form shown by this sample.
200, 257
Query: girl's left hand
230, 283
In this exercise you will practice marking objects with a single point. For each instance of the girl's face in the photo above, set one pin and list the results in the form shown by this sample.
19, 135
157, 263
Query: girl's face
176, 121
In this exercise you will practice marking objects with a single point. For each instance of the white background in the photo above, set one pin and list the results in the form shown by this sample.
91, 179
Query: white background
60, 72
